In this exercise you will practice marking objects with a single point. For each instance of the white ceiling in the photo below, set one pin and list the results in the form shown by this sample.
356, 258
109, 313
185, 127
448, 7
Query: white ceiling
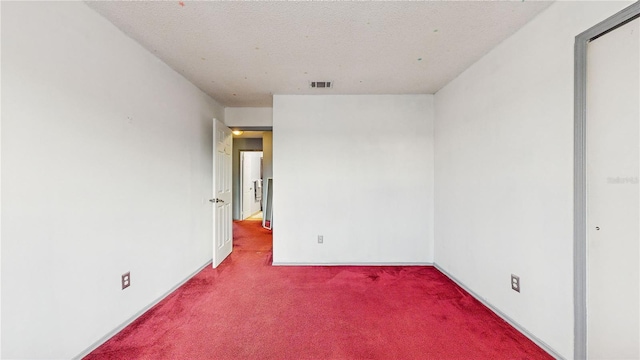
241, 53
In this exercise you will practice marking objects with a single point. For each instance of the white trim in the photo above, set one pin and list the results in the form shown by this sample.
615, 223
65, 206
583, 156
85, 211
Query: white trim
119, 328
504, 317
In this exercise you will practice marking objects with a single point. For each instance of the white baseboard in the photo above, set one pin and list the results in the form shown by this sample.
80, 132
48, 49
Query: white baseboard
506, 318
110, 334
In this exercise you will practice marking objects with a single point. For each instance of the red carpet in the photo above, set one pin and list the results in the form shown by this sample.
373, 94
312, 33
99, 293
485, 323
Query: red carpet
248, 309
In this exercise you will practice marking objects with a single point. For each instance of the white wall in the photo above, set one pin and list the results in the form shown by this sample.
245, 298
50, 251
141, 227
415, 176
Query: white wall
248, 117
504, 172
106, 168
0, 198
357, 169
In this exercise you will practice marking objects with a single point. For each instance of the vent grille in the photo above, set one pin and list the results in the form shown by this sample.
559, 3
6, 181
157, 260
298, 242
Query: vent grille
321, 84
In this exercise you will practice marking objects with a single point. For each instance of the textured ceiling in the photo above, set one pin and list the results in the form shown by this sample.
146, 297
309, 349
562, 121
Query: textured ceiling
241, 53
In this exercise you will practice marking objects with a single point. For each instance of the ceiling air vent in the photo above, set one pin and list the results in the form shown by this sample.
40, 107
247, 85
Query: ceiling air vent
321, 84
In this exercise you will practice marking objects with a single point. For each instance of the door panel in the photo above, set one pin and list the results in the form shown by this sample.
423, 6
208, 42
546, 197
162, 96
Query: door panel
223, 226
613, 223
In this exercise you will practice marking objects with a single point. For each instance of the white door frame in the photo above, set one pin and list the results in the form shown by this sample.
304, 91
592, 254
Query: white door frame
580, 175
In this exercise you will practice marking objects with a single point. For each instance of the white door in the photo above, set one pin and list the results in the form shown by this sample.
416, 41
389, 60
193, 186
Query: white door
613, 223
222, 221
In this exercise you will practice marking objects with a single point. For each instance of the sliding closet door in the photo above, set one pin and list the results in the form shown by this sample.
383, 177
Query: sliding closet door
613, 223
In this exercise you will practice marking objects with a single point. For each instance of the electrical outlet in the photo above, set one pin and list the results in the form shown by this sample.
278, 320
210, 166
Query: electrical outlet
515, 283
320, 239
126, 280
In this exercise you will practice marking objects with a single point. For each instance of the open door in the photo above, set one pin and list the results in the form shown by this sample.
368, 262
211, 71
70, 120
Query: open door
222, 220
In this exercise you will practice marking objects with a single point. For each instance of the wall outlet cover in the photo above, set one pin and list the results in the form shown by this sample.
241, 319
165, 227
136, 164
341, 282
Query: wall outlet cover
126, 280
515, 283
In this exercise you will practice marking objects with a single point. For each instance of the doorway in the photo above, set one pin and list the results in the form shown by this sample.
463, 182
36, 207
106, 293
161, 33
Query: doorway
250, 140
251, 176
